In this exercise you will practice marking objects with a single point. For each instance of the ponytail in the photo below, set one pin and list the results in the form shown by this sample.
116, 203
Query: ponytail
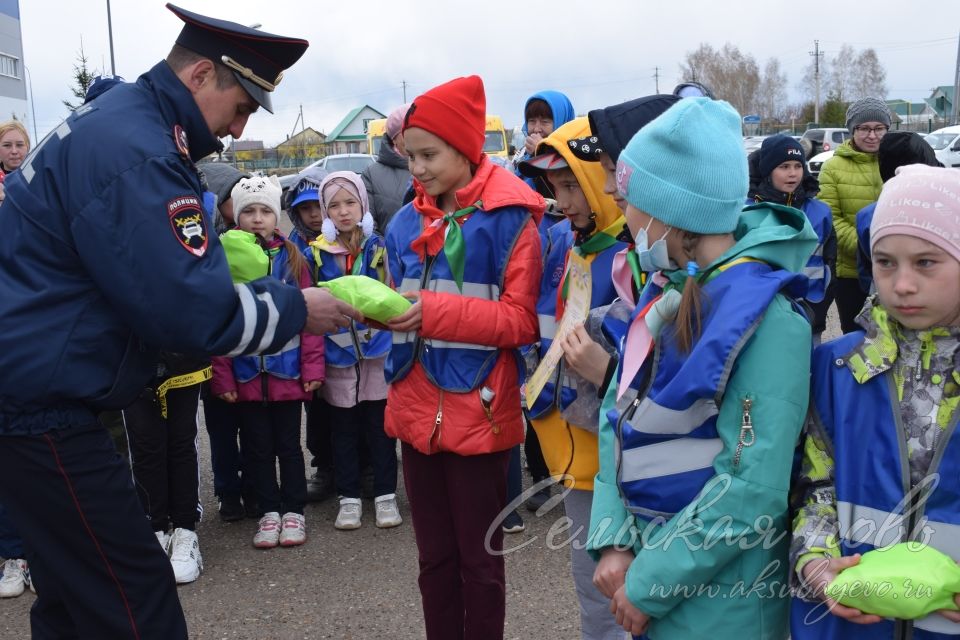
296, 264
689, 315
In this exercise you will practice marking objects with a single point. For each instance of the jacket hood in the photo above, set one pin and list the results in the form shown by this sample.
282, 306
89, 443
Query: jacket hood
846, 150
778, 235
590, 175
388, 155
559, 104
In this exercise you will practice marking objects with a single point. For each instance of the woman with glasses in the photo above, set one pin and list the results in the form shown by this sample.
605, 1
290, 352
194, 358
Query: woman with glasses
849, 181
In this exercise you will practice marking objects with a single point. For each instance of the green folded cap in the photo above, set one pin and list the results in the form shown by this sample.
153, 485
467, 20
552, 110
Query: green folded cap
246, 258
907, 581
371, 297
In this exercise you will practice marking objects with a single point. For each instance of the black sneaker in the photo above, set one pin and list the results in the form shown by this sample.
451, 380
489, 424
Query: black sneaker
538, 499
513, 523
320, 486
230, 509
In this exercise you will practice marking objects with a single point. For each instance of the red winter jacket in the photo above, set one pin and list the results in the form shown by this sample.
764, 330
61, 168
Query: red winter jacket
432, 420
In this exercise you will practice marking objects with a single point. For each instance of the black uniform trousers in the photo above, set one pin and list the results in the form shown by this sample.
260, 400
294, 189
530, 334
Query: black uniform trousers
98, 569
163, 456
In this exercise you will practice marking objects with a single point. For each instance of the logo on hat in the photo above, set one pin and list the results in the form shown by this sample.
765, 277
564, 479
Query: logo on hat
794, 152
624, 171
189, 227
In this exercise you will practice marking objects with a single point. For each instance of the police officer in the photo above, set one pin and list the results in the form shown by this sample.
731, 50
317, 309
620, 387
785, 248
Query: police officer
106, 258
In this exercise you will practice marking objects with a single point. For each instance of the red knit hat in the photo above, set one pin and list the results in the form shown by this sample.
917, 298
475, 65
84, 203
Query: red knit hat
456, 111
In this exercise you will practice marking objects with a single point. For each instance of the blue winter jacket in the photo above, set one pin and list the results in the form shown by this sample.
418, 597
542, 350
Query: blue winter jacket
107, 257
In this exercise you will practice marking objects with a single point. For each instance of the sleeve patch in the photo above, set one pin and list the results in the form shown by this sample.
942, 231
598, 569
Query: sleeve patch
188, 224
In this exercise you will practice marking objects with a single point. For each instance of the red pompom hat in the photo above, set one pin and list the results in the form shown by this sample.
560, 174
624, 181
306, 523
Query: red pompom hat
456, 111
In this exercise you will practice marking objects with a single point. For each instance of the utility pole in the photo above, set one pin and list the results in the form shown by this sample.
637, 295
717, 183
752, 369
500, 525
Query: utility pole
816, 75
656, 78
403, 83
956, 88
113, 66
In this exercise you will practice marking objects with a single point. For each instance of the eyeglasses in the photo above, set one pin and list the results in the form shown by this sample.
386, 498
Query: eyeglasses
879, 131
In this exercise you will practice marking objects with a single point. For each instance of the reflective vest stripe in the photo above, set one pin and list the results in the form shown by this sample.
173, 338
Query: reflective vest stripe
878, 528
936, 623
343, 339
439, 285
866, 525
668, 458
651, 417
814, 273
548, 326
447, 344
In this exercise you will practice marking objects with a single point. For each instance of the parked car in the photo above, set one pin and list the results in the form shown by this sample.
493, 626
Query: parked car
824, 139
752, 143
815, 164
946, 144
355, 162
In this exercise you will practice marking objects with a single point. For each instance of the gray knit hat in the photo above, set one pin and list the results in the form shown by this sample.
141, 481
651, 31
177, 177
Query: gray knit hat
221, 178
867, 110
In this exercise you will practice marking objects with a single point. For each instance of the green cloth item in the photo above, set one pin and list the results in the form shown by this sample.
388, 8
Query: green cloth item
906, 581
371, 297
454, 246
246, 257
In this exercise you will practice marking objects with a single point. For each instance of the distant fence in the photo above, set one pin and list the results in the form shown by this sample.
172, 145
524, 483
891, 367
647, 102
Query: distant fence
925, 125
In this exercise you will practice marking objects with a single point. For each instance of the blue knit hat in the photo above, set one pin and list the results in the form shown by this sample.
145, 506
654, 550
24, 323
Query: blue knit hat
778, 149
687, 168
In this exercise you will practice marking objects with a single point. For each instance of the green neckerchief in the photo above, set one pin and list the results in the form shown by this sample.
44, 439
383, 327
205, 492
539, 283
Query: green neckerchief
453, 246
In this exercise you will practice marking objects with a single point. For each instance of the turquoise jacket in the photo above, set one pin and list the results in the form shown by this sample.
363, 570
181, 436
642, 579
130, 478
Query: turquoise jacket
718, 569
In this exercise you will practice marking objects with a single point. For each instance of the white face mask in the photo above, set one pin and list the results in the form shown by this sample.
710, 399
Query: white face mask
653, 258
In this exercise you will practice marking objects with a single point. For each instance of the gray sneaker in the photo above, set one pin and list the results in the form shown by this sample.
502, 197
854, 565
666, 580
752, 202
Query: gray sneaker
349, 516
387, 513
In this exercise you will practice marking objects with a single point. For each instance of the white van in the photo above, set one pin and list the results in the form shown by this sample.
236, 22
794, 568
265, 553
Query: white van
946, 144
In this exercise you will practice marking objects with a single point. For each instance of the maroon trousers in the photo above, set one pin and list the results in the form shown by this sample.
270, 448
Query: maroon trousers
456, 503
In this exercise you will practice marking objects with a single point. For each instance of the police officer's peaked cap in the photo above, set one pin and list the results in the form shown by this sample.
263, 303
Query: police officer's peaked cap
257, 59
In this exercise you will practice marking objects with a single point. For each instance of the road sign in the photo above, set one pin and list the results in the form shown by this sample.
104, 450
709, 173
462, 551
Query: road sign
751, 119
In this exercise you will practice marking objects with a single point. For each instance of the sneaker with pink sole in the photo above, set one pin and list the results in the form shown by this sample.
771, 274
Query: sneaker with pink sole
268, 531
293, 530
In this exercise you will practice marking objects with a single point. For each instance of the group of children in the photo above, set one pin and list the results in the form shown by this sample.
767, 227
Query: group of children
674, 416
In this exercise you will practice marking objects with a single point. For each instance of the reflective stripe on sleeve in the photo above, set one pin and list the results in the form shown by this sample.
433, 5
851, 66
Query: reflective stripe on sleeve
249, 307
667, 458
273, 317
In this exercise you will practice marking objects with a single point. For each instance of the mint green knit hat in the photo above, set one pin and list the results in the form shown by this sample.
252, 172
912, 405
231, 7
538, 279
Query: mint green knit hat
687, 168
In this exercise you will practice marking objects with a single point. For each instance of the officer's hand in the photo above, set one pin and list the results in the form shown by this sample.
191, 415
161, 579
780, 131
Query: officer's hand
229, 396
326, 314
310, 387
817, 574
611, 571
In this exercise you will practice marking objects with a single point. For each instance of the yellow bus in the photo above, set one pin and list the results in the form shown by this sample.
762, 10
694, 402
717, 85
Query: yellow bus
375, 131
494, 144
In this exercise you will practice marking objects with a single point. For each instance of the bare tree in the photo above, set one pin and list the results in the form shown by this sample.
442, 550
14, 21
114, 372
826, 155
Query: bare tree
869, 78
772, 93
730, 74
843, 74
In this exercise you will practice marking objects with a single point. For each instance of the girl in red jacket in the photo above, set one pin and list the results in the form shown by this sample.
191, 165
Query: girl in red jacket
271, 388
466, 251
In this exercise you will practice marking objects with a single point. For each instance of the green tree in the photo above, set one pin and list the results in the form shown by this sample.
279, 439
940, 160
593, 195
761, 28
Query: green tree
82, 78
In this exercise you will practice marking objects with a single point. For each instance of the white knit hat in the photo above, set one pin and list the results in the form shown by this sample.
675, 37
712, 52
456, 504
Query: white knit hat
257, 190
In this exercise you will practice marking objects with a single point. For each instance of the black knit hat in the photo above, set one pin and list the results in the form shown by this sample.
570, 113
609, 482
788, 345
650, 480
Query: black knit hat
899, 148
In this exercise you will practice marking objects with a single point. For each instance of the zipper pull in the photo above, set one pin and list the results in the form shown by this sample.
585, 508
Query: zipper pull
439, 418
747, 435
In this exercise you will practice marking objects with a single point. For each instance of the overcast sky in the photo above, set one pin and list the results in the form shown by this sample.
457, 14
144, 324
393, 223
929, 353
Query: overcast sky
598, 52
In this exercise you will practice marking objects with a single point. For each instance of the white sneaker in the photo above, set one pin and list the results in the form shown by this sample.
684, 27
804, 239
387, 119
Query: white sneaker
164, 539
293, 530
185, 556
349, 516
16, 576
268, 531
387, 513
